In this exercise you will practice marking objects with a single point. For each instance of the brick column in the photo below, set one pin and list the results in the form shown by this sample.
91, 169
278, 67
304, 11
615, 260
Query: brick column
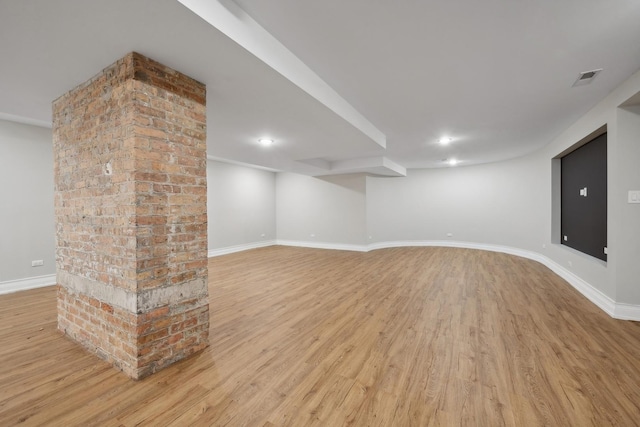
131, 218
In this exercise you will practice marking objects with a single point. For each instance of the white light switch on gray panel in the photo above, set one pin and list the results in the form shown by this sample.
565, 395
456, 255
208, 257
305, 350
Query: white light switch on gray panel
634, 196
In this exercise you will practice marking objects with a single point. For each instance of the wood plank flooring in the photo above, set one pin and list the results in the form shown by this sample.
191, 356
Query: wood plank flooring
304, 337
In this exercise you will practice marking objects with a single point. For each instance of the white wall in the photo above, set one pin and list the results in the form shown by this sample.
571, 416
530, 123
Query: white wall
26, 197
491, 204
321, 210
614, 277
627, 216
240, 204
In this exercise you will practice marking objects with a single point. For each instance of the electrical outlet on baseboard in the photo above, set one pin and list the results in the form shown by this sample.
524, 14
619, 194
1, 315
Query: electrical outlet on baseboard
37, 263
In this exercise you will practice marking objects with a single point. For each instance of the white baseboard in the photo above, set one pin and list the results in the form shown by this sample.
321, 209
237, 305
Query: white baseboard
453, 244
323, 245
295, 243
240, 248
608, 305
11, 286
626, 312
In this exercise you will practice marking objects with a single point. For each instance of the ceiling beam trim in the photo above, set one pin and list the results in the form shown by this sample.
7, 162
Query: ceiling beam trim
235, 23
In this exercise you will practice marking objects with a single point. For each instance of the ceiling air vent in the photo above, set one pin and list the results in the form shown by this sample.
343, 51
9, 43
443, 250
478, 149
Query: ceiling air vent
586, 77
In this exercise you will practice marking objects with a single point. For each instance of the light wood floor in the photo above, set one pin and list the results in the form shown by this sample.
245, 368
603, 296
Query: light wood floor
394, 337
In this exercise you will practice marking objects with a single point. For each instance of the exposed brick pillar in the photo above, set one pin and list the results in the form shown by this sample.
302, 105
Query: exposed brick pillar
131, 219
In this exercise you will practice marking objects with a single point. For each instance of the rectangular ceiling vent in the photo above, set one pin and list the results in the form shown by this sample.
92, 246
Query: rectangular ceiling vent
586, 77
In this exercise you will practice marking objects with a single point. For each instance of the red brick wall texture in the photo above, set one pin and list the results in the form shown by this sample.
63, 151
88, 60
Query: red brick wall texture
131, 219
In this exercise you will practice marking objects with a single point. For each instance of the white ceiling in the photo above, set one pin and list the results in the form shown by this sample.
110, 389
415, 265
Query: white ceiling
333, 82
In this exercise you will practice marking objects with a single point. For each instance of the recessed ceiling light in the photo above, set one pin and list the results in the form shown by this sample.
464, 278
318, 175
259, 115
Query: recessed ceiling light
445, 140
452, 162
266, 141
